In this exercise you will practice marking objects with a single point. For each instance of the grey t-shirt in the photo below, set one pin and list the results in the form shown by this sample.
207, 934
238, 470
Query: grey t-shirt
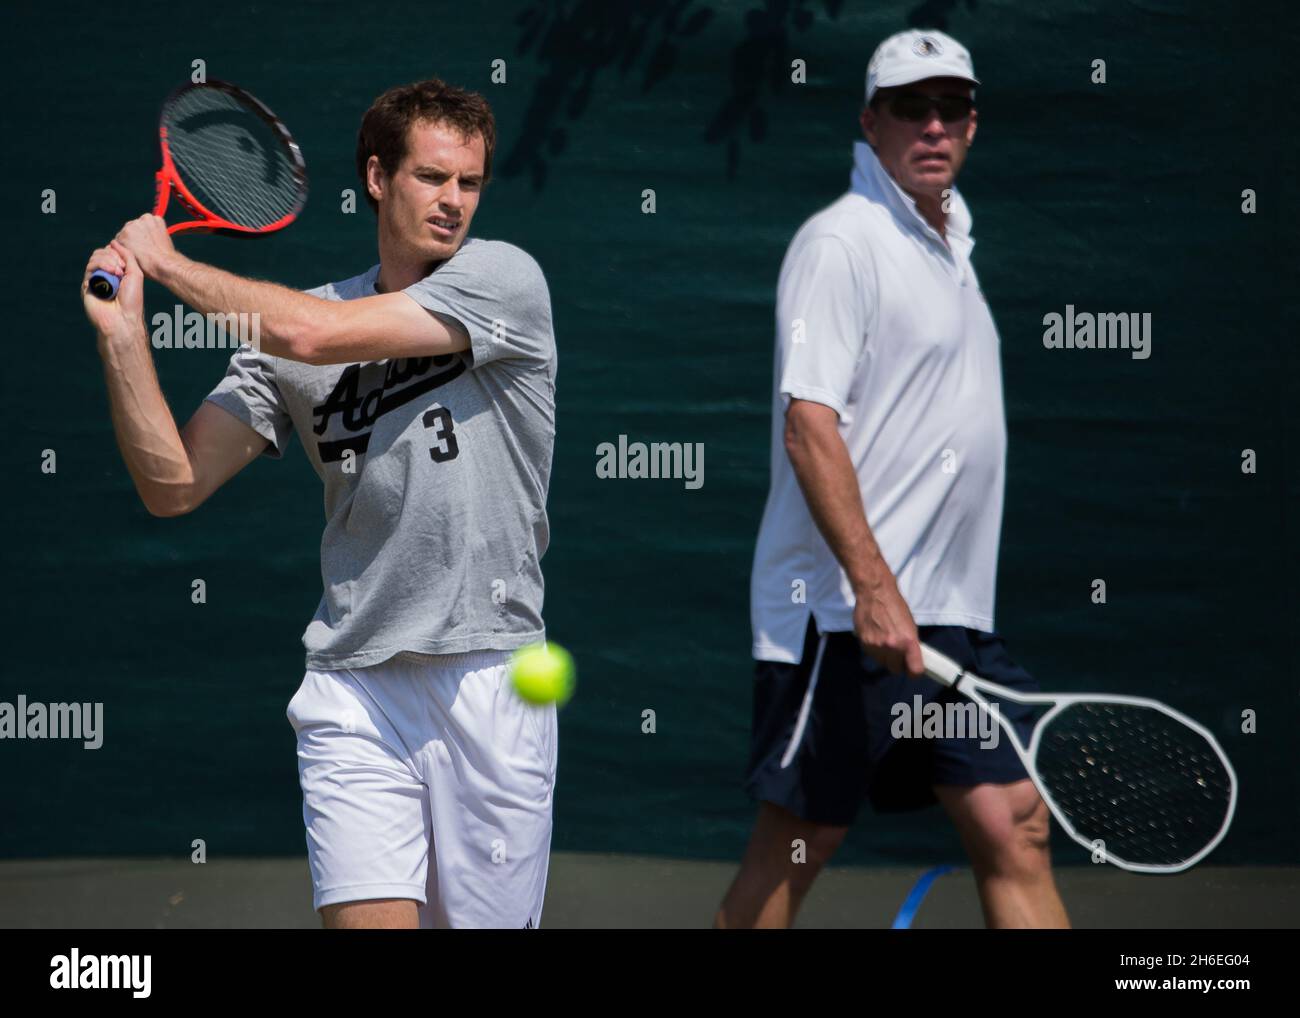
435, 468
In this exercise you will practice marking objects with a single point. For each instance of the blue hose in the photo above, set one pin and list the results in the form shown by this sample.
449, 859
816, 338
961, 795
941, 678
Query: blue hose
903, 921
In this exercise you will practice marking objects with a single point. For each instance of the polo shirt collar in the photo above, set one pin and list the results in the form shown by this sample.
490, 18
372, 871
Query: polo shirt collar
871, 180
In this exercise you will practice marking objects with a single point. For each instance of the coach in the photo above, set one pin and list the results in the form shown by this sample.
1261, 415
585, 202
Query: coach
882, 522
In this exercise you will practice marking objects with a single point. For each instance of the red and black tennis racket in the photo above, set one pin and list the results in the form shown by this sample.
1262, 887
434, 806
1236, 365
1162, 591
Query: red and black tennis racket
231, 162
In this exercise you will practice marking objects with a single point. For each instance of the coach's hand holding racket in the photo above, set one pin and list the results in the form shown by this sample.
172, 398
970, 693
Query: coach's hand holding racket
885, 627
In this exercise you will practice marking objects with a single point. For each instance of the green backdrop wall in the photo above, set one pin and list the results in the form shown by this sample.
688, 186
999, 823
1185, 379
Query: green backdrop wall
1124, 196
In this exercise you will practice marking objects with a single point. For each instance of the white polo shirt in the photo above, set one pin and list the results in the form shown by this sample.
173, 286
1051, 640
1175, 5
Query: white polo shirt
879, 319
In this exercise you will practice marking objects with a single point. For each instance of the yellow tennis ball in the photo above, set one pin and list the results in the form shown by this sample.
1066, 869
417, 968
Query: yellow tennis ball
543, 673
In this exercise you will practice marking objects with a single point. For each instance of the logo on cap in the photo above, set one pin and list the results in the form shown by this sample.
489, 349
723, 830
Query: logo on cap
926, 47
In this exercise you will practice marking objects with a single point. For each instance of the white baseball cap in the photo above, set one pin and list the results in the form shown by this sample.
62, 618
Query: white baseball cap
915, 55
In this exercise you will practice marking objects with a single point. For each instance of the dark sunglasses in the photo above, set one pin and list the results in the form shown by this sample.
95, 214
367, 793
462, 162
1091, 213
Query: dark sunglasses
913, 106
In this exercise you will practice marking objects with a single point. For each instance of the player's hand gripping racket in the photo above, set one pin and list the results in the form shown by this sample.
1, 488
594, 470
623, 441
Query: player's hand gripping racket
1132, 778
231, 162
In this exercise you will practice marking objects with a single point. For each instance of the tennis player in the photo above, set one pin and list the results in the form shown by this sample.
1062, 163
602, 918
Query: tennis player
423, 391
882, 522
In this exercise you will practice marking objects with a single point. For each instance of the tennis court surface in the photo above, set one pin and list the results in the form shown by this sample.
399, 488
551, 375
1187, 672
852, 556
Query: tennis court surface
630, 892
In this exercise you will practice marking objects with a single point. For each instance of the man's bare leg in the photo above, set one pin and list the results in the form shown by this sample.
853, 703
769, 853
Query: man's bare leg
771, 885
380, 914
1005, 830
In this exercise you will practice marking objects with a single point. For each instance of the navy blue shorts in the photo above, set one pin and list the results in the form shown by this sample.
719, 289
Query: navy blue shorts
844, 751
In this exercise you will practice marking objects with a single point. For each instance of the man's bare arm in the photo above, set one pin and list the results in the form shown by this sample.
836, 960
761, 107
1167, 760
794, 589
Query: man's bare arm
822, 465
312, 330
291, 324
173, 471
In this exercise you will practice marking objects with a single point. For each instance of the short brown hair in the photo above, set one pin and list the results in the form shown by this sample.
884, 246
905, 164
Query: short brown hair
385, 125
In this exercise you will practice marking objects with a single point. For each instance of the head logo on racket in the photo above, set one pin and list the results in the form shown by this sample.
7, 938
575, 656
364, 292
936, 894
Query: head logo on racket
229, 160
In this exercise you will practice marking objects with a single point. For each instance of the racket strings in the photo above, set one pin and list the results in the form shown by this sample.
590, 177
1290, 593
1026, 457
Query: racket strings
233, 161
1151, 789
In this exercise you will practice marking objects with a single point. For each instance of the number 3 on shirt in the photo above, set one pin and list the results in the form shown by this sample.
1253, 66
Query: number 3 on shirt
438, 420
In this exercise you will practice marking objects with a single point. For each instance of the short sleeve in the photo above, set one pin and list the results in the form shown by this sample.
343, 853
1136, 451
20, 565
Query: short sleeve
821, 321
248, 391
498, 294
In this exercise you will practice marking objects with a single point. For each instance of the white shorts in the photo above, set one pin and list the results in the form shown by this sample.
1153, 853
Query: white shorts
429, 779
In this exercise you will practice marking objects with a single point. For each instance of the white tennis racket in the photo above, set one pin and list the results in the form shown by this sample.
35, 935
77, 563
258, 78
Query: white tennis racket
1131, 779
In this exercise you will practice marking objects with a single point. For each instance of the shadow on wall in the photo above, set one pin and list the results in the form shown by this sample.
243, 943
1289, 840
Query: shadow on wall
575, 42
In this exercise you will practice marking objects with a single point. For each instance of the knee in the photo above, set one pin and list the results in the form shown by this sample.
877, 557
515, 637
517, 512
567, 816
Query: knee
1033, 830
1019, 843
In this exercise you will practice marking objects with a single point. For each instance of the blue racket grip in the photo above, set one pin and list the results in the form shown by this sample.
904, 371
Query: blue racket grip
103, 284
